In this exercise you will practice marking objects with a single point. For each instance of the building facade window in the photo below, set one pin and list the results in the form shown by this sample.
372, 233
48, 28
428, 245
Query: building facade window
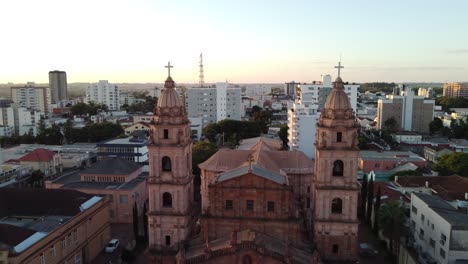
166, 133
52, 251
167, 200
250, 205
229, 205
41, 259
339, 136
442, 253
123, 199
338, 168
271, 206
335, 249
337, 206
166, 164
168, 240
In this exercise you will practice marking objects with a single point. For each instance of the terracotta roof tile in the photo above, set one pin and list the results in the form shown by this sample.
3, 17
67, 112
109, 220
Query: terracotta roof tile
38, 155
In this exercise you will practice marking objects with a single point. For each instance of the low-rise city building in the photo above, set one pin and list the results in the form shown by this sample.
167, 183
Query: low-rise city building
46, 161
439, 229
134, 148
407, 137
433, 154
370, 160
123, 181
52, 226
140, 126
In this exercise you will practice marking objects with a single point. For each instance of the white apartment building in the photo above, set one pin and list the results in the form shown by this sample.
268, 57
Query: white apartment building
32, 97
20, 119
305, 111
104, 92
302, 123
426, 92
214, 103
440, 230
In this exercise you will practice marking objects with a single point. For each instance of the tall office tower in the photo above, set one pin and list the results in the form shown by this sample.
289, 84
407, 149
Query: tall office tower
58, 86
104, 92
32, 97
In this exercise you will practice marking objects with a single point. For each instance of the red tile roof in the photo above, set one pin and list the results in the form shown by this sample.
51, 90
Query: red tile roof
38, 155
386, 189
446, 187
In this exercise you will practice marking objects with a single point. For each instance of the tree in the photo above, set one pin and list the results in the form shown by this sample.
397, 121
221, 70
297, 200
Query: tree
390, 125
68, 131
391, 218
283, 135
362, 143
79, 109
435, 125
231, 130
376, 210
37, 179
454, 163
202, 151
363, 196
263, 118
135, 221
370, 200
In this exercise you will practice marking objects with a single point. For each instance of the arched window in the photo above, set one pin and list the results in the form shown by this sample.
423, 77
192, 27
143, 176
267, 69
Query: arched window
339, 136
338, 168
166, 164
167, 200
337, 206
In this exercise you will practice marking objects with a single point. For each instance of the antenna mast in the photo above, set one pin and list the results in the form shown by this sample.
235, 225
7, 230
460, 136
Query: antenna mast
202, 81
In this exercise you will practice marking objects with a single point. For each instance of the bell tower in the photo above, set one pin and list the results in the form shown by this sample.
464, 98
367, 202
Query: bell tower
170, 181
335, 179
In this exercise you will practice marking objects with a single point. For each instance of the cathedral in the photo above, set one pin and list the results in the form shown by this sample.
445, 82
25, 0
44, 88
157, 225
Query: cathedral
258, 205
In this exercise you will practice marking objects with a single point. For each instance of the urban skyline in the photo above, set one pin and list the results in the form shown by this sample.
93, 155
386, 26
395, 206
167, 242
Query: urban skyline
244, 42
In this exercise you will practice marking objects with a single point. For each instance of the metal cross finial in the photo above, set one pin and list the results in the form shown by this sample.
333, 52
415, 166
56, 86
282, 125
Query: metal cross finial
339, 67
169, 68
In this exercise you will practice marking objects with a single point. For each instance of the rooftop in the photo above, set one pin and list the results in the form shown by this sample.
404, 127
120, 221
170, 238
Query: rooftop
39, 155
114, 166
37, 212
294, 162
458, 219
107, 185
390, 155
447, 187
257, 170
130, 141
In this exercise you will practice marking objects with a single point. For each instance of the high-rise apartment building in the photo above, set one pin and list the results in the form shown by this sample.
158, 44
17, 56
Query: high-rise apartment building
58, 86
32, 97
305, 111
411, 113
104, 92
214, 103
455, 89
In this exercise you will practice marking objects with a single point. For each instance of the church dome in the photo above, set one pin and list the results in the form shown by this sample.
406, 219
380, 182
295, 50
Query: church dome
169, 96
337, 99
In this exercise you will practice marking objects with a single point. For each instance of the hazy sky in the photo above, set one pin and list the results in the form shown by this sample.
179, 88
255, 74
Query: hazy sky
242, 41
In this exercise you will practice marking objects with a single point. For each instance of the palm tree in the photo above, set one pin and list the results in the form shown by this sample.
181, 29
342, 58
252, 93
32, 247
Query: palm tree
391, 218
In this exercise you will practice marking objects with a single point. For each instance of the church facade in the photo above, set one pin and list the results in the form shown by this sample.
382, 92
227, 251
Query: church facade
258, 205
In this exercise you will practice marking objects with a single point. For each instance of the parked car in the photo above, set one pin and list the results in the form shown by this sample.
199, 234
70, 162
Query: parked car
367, 250
112, 246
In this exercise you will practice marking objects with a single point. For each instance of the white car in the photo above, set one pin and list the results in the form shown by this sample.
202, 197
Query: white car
112, 246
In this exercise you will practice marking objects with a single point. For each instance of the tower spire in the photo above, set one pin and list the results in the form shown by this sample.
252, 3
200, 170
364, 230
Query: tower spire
201, 76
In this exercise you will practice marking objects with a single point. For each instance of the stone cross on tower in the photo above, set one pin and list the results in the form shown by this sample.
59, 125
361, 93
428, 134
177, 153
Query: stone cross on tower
250, 159
168, 66
339, 67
